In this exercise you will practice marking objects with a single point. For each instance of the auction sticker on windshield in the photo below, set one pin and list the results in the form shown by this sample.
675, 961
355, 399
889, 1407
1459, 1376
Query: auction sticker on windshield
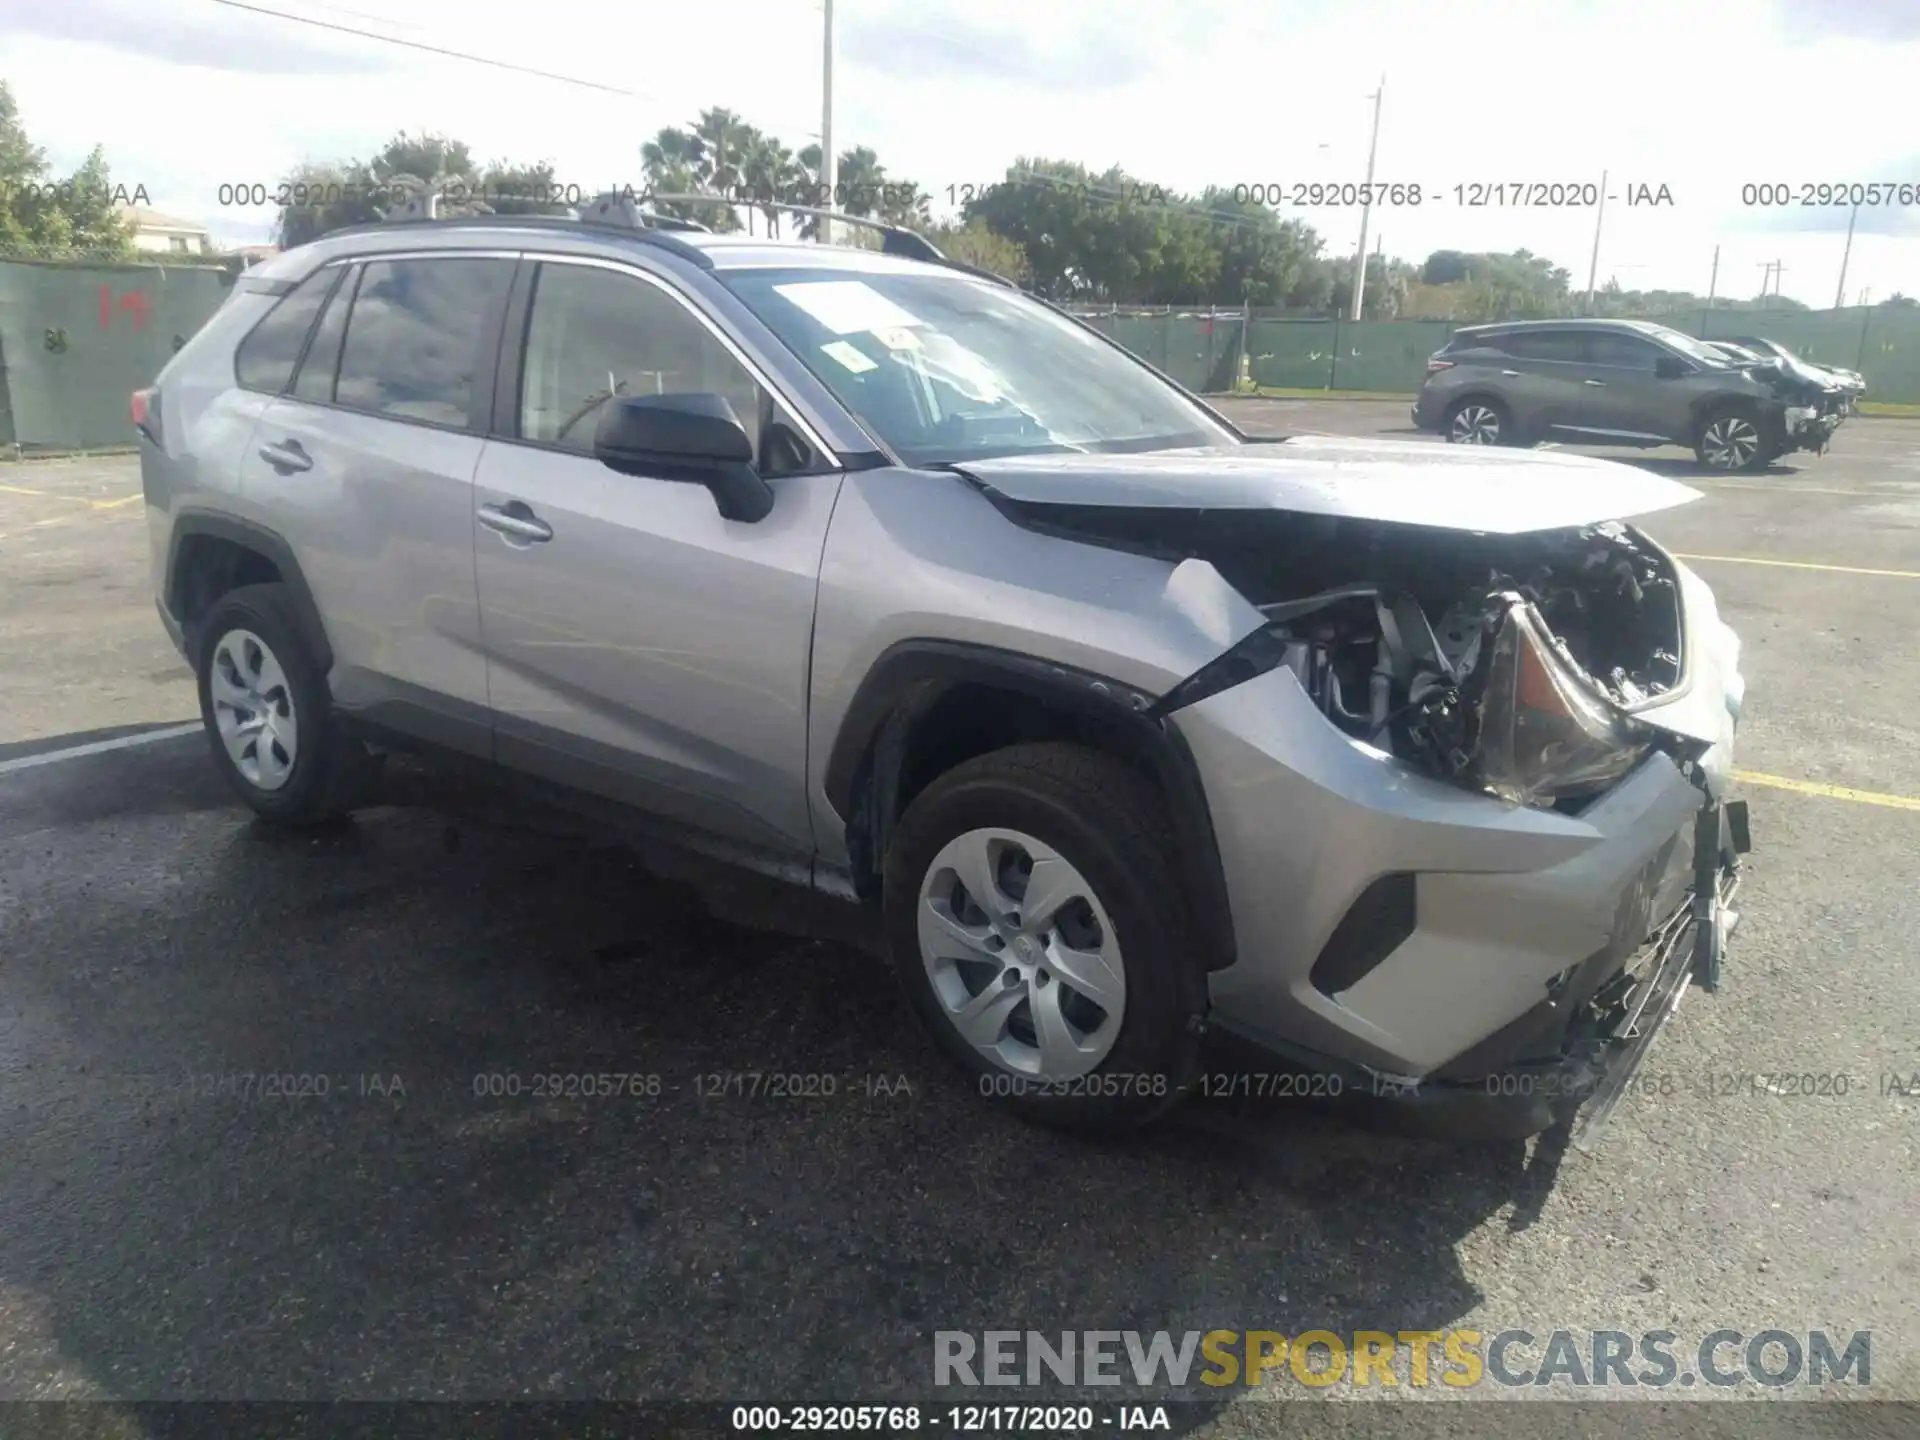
846, 307
849, 356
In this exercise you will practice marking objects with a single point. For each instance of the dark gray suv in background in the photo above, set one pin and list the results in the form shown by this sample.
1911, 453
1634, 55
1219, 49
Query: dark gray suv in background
1620, 382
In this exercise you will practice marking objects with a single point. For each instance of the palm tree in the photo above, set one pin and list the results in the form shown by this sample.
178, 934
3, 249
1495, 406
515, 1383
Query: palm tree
770, 175
727, 141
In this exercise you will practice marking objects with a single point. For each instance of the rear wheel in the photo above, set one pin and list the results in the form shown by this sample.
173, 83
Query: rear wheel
268, 715
1035, 915
1730, 439
1479, 421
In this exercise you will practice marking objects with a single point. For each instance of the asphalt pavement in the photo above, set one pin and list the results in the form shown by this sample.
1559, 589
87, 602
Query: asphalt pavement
446, 1104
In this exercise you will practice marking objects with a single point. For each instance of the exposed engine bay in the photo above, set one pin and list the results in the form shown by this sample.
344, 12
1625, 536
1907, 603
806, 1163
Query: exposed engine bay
1505, 663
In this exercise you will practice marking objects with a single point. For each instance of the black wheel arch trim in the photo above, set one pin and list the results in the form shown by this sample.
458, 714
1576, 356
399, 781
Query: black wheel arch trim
865, 762
267, 543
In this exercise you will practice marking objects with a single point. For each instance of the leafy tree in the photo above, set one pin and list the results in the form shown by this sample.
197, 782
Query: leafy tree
44, 212
977, 244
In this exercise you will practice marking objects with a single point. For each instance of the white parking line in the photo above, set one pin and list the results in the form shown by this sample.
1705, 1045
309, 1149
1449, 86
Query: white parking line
97, 747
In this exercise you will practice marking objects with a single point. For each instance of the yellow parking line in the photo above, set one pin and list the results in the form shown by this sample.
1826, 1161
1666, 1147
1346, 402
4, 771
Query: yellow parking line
87, 500
1800, 565
1779, 489
1830, 792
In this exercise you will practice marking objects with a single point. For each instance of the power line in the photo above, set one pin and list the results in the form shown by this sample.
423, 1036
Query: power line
450, 53
434, 49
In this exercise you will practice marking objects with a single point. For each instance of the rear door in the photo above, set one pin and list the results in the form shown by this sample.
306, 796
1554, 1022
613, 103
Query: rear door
640, 645
366, 465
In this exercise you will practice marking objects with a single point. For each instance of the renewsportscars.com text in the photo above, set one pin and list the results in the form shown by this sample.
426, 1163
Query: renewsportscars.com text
1462, 1359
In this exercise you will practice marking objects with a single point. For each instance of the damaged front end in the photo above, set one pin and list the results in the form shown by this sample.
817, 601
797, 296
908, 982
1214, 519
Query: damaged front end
1810, 407
1512, 665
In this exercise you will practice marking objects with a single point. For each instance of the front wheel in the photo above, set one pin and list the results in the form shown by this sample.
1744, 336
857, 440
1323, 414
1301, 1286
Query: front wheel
1035, 914
1730, 440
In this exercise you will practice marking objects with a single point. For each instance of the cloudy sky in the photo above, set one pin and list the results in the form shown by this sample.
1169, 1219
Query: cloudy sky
1701, 96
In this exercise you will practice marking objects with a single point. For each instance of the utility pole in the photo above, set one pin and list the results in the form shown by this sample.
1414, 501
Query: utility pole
829, 161
1593, 265
1766, 277
1840, 294
1366, 205
1713, 279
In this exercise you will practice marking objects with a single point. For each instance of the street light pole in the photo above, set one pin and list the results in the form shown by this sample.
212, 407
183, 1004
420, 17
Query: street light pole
1366, 205
1593, 265
829, 161
1840, 293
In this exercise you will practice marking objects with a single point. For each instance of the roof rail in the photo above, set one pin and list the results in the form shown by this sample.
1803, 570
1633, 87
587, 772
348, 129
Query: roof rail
656, 235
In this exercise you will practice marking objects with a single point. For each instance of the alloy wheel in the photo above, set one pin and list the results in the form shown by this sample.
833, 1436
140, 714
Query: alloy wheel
1021, 954
253, 709
1475, 425
1729, 443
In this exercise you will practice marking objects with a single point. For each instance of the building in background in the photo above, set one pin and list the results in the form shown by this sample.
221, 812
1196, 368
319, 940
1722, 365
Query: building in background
167, 234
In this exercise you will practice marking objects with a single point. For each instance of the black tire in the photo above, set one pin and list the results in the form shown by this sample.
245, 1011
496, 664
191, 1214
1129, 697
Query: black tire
1505, 429
1737, 414
1108, 823
331, 771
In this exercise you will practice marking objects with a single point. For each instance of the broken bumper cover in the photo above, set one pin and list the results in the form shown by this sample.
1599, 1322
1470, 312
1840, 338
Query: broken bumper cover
1810, 427
1602, 1036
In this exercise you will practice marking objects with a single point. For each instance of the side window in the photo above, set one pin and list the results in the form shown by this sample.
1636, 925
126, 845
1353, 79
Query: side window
322, 361
266, 358
412, 346
594, 334
1543, 345
1627, 351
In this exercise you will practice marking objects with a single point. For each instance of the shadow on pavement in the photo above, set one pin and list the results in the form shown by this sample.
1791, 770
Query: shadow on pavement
338, 1115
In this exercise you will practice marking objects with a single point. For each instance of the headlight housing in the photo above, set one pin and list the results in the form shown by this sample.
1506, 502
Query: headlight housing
1545, 732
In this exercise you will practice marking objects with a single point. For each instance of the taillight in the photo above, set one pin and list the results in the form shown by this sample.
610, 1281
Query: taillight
1436, 365
146, 412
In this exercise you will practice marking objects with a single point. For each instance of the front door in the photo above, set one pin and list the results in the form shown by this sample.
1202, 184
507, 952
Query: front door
1624, 395
639, 644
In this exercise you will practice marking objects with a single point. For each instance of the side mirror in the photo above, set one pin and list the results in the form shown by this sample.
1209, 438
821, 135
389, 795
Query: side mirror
1670, 367
696, 439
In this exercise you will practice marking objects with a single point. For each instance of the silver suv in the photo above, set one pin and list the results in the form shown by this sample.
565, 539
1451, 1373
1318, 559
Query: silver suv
1621, 382
1403, 762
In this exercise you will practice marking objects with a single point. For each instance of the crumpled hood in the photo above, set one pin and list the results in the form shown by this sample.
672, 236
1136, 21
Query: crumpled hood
1409, 482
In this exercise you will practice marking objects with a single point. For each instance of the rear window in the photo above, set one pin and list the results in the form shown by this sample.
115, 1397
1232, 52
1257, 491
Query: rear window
414, 336
1544, 345
266, 358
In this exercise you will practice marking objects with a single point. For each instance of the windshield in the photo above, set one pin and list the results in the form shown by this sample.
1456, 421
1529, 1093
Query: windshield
946, 368
1696, 350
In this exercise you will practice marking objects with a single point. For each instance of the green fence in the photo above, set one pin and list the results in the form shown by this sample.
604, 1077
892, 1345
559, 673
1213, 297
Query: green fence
1200, 349
77, 340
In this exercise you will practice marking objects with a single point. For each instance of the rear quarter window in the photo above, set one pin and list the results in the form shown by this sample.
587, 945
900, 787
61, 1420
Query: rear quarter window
265, 360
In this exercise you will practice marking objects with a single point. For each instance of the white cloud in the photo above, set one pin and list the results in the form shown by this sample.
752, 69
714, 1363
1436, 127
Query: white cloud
1702, 96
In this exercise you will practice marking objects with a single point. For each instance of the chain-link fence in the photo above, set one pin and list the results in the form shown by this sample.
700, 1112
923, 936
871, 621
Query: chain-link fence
1201, 348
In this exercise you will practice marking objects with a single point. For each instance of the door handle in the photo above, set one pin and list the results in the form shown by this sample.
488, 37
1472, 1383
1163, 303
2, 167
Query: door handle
1601, 383
1510, 372
515, 521
286, 457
